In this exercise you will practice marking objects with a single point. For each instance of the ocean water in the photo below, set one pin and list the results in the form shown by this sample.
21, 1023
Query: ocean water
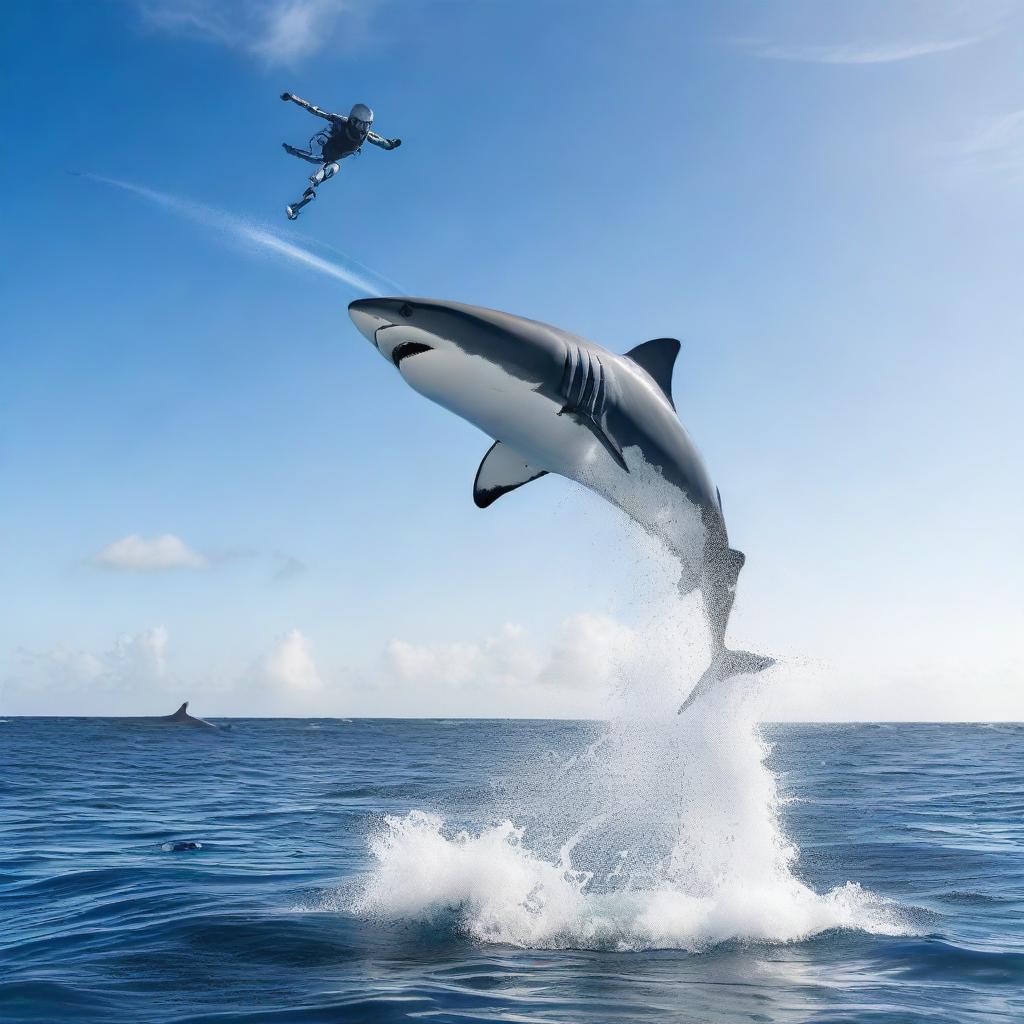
668, 868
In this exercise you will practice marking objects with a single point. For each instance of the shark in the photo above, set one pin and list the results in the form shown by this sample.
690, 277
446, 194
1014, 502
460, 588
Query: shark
556, 403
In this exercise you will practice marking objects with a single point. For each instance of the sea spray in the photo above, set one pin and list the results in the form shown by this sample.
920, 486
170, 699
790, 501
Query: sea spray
663, 832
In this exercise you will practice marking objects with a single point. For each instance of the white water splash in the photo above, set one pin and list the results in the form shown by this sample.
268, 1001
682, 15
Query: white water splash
664, 833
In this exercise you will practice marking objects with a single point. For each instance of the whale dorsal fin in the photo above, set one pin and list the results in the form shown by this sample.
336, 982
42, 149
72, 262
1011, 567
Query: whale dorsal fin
502, 470
182, 712
657, 357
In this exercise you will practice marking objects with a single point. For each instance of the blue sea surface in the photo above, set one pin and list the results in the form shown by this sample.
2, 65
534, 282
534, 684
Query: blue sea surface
160, 873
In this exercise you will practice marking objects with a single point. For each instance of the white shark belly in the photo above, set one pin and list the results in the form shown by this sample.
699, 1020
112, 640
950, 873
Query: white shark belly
509, 410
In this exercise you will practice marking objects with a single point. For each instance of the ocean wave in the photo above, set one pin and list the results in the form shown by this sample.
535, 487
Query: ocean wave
666, 831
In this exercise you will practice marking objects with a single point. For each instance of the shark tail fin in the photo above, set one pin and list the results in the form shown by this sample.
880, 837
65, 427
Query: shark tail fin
723, 666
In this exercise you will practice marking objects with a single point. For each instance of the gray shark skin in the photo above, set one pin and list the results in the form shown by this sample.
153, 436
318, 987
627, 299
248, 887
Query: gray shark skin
556, 403
182, 717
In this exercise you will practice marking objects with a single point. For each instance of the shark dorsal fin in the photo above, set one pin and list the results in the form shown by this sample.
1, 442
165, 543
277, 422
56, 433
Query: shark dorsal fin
503, 469
657, 358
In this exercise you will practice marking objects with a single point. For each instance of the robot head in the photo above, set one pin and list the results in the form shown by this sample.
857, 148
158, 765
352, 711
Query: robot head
360, 118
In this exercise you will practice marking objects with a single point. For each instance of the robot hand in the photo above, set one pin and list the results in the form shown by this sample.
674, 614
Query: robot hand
286, 96
394, 143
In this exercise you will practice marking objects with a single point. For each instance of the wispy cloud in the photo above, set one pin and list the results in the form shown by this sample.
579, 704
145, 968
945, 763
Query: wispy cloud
253, 236
287, 567
855, 53
139, 554
998, 145
279, 31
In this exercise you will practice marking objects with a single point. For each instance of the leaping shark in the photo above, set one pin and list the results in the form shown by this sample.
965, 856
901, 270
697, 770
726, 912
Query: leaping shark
557, 403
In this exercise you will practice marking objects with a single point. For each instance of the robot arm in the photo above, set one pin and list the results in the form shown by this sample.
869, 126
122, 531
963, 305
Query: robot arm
379, 140
306, 105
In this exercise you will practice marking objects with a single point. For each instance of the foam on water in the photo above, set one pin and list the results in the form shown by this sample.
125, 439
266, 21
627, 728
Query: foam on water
494, 888
664, 833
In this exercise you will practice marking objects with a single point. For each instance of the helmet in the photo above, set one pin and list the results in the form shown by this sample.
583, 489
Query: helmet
360, 117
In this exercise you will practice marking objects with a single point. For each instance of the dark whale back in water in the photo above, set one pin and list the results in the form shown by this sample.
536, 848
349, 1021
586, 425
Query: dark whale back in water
182, 717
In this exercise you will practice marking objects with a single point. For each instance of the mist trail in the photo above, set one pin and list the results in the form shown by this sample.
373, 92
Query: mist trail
259, 237
664, 832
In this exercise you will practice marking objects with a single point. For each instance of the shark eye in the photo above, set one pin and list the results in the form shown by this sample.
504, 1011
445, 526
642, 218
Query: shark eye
405, 310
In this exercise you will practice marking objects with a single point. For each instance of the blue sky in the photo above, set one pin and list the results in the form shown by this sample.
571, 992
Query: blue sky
823, 201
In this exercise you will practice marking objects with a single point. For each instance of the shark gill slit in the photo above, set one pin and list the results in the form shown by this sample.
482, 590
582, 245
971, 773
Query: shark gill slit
587, 395
567, 372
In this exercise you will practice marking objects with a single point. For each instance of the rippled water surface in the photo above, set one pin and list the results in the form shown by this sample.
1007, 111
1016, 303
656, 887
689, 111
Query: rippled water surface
315, 871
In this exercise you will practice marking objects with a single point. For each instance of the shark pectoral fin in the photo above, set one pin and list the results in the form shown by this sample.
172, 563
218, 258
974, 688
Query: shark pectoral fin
502, 470
611, 446
613, 449
657, 358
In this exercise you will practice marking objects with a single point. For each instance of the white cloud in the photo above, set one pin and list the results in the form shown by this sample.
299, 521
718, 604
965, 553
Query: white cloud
592, 666
150, 555
140, 657
279, 31
504, 659
66, 680
853, 53
509, 672
586, 651
450, 664
289, 668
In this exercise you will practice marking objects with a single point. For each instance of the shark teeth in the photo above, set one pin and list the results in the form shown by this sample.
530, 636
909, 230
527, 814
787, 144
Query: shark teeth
408, 348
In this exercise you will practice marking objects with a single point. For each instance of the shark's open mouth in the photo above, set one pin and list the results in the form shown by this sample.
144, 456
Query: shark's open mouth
408, 348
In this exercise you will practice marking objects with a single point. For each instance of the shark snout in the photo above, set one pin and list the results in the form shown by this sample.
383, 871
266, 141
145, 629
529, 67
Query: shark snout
369, 315
388, 324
